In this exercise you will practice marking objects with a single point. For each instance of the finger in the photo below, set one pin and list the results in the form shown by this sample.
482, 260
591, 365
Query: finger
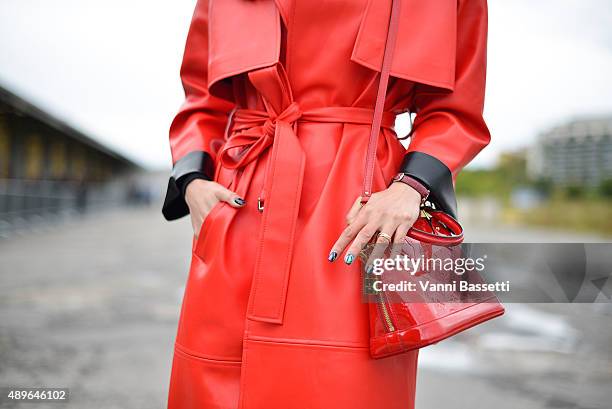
353, 211
361, 239
400, 232
384, 239
230, 197
398, 238
347, 235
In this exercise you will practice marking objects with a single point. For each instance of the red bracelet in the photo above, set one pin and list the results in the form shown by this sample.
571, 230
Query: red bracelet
413, 183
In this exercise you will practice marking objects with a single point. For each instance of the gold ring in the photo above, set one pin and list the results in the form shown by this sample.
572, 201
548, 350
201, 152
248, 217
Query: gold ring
385, 236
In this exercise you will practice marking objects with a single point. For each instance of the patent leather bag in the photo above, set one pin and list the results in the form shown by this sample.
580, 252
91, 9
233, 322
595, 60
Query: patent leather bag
399, 324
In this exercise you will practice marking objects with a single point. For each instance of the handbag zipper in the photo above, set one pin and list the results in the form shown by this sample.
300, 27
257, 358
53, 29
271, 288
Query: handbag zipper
382, 302
385, 312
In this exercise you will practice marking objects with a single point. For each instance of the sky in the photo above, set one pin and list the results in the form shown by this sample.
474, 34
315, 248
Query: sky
111, 68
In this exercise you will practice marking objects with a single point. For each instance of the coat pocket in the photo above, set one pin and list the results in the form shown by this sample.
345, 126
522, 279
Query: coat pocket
200, 240
198, 382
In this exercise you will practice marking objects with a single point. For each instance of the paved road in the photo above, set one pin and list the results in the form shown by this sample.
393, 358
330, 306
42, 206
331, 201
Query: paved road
92, 305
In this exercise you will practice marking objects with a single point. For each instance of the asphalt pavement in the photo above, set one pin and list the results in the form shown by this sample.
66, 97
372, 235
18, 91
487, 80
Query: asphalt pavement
92, 304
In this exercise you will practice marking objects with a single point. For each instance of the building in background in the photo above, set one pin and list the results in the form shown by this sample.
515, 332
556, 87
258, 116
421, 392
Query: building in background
48, 169
576, 153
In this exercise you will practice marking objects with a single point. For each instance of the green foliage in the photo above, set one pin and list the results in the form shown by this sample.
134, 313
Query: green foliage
479, 183
544, 186
605, 188
575, 191
573, 207
509, 173
578, 215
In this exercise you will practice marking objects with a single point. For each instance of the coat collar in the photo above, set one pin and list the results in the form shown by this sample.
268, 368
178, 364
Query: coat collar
245, 35
426, 41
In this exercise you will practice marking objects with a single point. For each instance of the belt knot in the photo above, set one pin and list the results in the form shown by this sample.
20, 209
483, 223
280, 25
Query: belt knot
255, 131
289, 115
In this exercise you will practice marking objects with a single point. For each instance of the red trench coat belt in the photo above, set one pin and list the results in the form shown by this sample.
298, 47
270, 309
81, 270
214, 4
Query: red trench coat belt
252, 132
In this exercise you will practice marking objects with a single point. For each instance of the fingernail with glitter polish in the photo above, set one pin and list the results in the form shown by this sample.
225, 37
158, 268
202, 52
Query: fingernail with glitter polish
348, 259
332, 256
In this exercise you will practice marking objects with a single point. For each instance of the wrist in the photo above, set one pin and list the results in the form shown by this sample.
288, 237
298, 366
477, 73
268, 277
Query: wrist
186, 180
193, 187
407, 192
402, 179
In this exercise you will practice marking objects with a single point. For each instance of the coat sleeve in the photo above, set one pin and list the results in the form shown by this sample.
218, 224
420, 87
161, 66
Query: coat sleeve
198, 128
449, 129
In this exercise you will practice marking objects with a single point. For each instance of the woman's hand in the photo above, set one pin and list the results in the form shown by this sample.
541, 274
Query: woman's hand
391, 212
202, 195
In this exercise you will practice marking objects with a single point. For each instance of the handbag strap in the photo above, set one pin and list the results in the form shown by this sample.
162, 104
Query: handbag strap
380, 100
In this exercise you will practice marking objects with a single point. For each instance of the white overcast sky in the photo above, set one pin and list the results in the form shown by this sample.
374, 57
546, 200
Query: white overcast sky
110, 67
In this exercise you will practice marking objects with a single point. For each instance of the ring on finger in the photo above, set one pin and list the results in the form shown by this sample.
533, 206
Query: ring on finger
385, 236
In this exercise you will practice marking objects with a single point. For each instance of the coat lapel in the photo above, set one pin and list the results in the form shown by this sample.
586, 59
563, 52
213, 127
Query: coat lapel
426, 43
283, 7
243, 35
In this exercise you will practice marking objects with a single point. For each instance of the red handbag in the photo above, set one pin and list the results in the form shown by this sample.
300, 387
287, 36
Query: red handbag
400, 325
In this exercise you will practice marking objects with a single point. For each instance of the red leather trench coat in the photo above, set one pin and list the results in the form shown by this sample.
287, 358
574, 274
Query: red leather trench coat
279, 99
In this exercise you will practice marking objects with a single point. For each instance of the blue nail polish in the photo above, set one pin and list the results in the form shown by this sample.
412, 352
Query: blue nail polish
332, 256
369, 268
348, 259
239, 201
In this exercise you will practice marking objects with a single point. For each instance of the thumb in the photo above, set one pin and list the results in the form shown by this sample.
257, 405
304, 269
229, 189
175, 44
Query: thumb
226, 195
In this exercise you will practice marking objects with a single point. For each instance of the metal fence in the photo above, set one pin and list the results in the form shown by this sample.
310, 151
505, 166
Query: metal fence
28, 203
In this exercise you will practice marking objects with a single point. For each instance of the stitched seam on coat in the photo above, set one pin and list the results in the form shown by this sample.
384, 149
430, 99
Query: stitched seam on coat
320, 341
307, 344
212, 358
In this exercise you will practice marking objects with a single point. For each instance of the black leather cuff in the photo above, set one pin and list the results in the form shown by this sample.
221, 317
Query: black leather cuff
436, 176
196, 164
